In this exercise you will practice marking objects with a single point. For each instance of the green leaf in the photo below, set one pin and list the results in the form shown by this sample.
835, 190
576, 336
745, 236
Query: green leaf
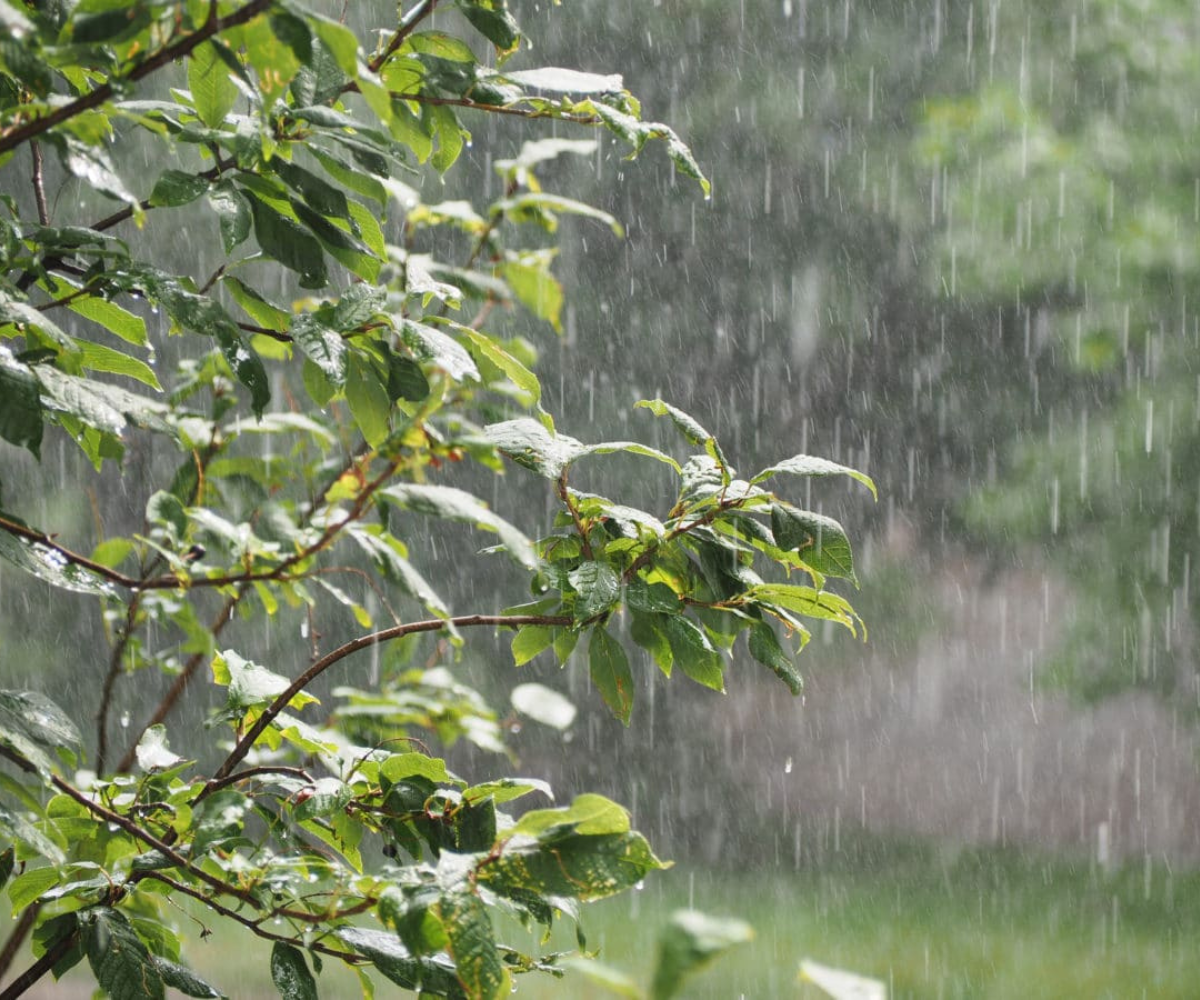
49, 566
289, 973
453, 504
213, 92
472, 945
30, 885
450, 137
690, 941
436, 348
401, 766
598, 588
519, 375
531, 640
435, 975
21, 412
693, 653
765, 647
811, 465
437, 43
20, 830
805, 601
177, 187
233, 213
588, 815
98, 358
323, 346
153, 753
291, 244
251, 685
274, 59
535, 287
820, 541
507, 789
648, 633
111, 316
256, 305
609, 670
531, 444
36, 729
183, 979
543, 705
368, 399
492, 20
123, 966
571, 865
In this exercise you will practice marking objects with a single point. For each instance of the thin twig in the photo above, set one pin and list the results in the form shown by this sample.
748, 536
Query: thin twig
39, 184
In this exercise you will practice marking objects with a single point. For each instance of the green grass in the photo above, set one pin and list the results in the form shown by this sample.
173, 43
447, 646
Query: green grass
977, 924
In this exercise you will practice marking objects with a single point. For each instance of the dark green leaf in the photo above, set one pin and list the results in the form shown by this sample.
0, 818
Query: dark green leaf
177, 187
820, 541
609, 669
765, 647
435, 975
289, 973
598, 588
21, 412
36, 729
123, 966
692, 651
323, 346
183, 979
289, 243
369, 400
492, 19
233, 213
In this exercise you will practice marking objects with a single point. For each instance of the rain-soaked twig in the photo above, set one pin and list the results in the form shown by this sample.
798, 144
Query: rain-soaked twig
39, 184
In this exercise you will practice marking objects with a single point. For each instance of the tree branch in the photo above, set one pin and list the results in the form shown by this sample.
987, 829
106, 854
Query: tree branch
213, 26
238, 754
39, 184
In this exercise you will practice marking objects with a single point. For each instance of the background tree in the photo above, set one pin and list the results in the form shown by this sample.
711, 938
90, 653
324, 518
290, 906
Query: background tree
322, 406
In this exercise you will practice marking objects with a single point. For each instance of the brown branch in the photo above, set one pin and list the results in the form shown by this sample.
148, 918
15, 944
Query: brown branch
39, 184
110, 681
254, 772
18, 934
346, 649
160, 845
213, 26
253, 926
39, 968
